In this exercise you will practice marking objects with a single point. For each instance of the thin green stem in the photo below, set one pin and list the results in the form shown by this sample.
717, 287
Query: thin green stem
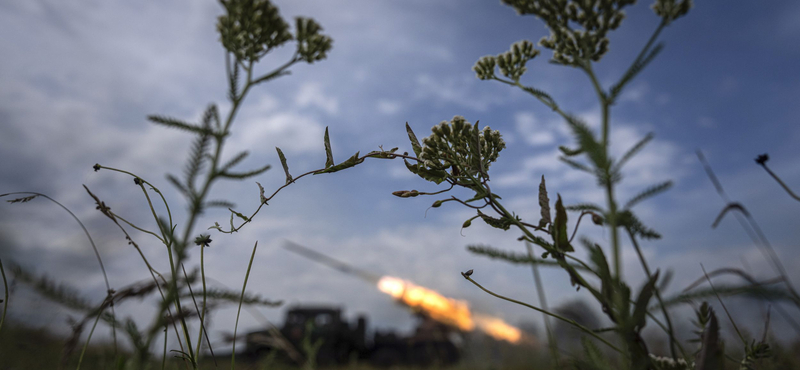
205, 298
782, 184
164, 355
139, 228
164, 200
671, 332
5, 294
564, 319
239, 310
551, 340
86, 345
735, 327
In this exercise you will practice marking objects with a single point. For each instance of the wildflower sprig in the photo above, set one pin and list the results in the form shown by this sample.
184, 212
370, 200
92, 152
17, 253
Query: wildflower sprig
575, 47
248, 30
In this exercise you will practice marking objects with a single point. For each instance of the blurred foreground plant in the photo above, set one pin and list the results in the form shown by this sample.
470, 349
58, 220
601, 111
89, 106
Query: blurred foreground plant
249, 30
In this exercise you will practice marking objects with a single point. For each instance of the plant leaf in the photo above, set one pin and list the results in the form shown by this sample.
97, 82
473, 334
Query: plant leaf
587, 142
414, 142
328, 152
569, 152
244, 175
711, 354
544, 205
262, 197
174, 180
235, 160
575, 164
435, 176
350, 162
181, 125
647, 193
634, 69
218, 203
639, 318
560, 235
632, 151
627, 219
285, 166
243, 217
585, 207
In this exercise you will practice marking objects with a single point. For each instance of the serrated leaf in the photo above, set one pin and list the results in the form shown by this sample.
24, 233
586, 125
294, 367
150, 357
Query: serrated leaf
569, 152
414, 142
632, 151
174, 180
575, 164
181, 125
243, 217
499, 223
244, 175
642, 301
238, 158
647, 193
560, 234
540, 94
637, 66
350, 162
285, 166
195, 163
328, 152
600, 264
587, 142
262, 197
627, 219
585, 207
544, 204
218, 203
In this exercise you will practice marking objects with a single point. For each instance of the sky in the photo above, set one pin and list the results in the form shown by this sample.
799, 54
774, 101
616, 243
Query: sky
78, 79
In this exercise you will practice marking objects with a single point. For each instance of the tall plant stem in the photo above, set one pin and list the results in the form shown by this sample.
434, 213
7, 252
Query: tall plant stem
205, 298
672, 340
239, 310
551, 340
5, 294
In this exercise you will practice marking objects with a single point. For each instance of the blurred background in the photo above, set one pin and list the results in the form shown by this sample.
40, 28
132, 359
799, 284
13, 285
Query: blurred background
77, 80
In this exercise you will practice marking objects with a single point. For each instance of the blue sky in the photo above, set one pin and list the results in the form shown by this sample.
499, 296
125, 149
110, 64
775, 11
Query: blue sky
78, 81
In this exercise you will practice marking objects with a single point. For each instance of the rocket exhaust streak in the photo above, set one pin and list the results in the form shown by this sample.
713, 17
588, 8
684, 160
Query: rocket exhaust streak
449, 311
330, 262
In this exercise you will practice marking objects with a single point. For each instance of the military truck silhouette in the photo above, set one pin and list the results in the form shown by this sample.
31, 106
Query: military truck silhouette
340, 342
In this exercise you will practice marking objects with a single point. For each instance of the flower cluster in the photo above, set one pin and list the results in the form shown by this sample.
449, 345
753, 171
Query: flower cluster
511, 63
311, 45
461, 146
671, 10
251, 28
575, 46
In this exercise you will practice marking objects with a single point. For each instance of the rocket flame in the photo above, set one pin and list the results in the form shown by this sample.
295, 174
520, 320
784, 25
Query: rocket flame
447, 310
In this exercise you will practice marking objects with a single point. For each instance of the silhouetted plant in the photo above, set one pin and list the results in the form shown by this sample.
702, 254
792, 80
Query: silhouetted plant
459, 153
249, 30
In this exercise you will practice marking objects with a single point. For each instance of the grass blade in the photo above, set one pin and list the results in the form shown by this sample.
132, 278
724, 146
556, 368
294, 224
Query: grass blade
239, 310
